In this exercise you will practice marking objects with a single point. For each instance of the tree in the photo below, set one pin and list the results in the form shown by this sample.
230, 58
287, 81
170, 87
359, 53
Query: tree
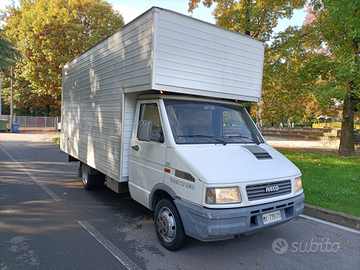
337, 27
290, 78
8, 55
253, 18
50, 33
8, 52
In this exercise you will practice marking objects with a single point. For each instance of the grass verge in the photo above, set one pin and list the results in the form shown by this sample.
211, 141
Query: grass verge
329, 181
57, 139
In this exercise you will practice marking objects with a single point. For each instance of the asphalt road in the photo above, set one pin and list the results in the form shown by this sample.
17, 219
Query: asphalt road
48, 221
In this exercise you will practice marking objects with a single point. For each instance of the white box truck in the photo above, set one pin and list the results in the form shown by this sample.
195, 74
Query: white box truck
154, 110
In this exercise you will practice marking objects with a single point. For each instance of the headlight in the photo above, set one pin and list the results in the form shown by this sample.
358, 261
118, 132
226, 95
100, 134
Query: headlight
298, 184
222, 195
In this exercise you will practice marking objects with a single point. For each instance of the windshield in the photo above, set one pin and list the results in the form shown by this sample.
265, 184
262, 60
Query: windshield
194, 122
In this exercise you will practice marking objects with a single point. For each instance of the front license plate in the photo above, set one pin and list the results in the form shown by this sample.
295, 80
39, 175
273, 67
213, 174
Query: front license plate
271, 217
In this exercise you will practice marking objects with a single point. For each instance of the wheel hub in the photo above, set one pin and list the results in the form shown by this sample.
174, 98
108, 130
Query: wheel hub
163, 225
166, 224
85, 175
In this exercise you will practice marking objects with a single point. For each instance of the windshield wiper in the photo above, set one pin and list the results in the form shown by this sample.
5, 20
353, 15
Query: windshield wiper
198, 136
236, 136
243, 137
222, 141
203, 136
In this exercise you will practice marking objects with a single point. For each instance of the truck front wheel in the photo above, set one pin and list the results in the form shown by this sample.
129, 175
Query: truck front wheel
168, 226
88, 179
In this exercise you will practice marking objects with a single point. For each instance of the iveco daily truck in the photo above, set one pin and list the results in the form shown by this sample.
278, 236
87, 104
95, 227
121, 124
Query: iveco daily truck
154, 110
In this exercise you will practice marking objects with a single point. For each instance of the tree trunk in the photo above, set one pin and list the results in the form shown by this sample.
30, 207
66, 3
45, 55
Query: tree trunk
346, 148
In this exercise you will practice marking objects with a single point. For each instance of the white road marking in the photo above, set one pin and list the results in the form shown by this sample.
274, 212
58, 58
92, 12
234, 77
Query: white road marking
37, 181
117, 253
331, 224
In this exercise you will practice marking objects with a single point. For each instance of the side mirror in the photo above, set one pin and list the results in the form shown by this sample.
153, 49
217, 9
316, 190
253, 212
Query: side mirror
144, 130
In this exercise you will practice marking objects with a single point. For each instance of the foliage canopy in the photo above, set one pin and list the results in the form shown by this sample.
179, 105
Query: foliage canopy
50, 33
253, 18
8, 51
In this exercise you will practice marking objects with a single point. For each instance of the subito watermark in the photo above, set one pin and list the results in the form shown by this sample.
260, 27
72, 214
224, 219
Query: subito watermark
280, 246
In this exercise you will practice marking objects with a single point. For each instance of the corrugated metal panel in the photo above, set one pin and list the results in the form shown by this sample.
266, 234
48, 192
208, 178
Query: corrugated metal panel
195, 56
93, 87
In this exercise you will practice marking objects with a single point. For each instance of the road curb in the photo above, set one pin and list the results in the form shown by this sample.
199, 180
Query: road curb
332, 216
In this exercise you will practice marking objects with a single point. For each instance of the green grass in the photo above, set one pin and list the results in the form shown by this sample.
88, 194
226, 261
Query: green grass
57, 139
329, 181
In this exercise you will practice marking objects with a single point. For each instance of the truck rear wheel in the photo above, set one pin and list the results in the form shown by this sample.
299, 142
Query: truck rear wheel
88, 179
168, 226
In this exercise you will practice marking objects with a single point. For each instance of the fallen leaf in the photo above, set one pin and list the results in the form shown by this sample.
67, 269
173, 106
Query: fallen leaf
320, 236
64, 193
348, 242
338, 234
258, 264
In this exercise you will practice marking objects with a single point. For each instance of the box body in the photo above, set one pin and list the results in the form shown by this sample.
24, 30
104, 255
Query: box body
159, 51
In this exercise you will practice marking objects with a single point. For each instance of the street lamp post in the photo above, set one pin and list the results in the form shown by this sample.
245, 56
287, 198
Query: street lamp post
12, 101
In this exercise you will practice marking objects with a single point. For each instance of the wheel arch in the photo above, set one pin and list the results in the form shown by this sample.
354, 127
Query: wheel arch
159, 192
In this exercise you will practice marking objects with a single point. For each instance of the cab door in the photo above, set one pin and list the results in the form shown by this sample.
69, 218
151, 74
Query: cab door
147, 158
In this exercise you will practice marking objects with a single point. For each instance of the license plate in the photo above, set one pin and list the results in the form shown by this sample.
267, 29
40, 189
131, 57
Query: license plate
271, 217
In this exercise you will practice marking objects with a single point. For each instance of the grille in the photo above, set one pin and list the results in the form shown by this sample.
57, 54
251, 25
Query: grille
268, 190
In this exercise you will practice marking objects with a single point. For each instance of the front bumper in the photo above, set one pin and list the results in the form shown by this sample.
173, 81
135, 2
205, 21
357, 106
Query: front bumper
219, 224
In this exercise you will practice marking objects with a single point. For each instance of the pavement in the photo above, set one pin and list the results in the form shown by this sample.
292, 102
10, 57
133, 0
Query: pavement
310, 210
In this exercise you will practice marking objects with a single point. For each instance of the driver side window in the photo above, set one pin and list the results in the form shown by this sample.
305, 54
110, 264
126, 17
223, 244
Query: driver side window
150, 112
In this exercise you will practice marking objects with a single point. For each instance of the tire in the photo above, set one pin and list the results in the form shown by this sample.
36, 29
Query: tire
100, 180
88, 180
168, 226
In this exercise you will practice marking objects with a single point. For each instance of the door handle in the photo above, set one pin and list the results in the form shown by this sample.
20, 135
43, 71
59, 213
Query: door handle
135, 147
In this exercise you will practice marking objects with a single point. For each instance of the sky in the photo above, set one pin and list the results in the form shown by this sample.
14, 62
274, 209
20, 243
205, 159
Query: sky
131, 9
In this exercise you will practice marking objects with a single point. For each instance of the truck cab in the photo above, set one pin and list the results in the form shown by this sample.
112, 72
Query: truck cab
203, 166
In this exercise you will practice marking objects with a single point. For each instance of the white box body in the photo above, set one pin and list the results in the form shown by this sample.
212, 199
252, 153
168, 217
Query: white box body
159, 51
